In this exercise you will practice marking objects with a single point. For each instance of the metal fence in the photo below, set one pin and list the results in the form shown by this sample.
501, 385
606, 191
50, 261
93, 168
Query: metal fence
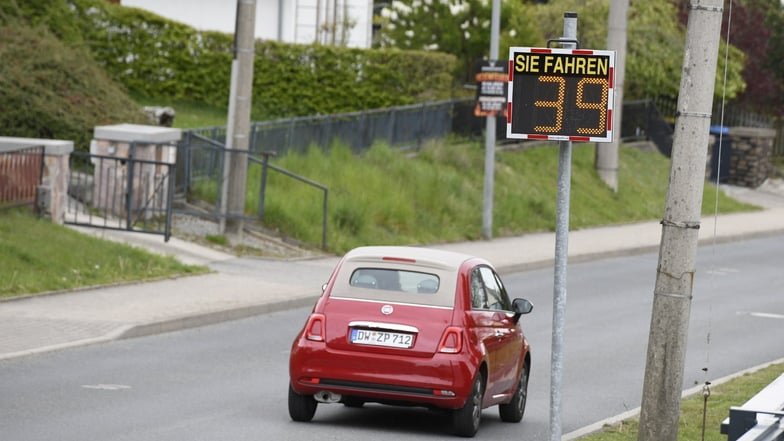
727, 115
400, 127
642, 120
778, 143
21, 172
654, 119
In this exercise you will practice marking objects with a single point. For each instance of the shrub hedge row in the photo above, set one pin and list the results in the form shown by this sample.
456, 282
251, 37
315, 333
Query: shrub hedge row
160, 58
58, 92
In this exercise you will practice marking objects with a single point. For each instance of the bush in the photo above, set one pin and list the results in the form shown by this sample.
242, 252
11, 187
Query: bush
65, 62
157, 57
50, 90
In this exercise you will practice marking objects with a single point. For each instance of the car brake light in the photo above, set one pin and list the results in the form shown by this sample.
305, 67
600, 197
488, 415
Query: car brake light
314, 329
452, 341
399, 259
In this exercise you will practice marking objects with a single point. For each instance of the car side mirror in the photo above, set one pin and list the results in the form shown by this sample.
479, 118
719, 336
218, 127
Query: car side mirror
520, 307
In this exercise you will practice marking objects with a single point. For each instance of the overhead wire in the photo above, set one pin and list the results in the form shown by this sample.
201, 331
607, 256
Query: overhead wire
706, 392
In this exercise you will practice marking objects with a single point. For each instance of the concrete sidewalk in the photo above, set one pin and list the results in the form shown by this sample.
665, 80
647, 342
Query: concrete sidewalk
243, 287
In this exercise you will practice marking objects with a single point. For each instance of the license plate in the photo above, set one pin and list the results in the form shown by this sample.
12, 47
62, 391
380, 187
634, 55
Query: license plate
381, 338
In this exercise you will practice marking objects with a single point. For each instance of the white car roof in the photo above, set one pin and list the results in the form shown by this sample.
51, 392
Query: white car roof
427, 257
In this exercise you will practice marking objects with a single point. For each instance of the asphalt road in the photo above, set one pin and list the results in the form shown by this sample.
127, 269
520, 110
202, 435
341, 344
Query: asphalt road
229, 381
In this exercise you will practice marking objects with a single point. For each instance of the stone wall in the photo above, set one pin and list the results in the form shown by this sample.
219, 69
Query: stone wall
750, 158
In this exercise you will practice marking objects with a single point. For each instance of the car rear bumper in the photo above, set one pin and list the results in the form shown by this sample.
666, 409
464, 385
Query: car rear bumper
443, 381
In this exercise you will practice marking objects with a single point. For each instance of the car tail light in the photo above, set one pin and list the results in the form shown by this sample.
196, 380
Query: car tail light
314, 329
451, 341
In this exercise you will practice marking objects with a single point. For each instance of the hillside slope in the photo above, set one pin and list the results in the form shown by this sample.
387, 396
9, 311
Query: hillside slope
52, 90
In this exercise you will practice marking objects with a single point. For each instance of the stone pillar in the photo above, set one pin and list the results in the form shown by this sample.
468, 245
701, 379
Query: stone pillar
56, 170
149, 145
750, 159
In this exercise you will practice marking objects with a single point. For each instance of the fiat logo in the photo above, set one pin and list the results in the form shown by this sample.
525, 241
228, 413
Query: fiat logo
387, 309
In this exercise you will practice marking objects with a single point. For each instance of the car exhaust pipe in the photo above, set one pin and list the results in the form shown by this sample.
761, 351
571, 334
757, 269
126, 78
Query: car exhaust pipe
326, 396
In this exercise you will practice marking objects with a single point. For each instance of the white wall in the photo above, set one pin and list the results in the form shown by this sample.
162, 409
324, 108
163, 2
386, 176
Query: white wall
292, 21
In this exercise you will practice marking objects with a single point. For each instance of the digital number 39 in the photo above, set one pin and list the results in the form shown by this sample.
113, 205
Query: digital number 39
558, 104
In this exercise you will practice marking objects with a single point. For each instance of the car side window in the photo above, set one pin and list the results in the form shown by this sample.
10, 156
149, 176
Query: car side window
496, 294
504, 295
478, 294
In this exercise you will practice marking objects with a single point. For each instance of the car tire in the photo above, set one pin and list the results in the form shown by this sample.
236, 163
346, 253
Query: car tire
513, 411
301, 407
465, 421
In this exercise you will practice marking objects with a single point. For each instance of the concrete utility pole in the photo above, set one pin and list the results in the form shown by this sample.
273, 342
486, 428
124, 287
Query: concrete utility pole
239, 112
487, 209
607, 152
680, 226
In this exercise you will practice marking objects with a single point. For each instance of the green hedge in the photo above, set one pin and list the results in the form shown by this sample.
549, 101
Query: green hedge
67, 65
159, 58
51, 90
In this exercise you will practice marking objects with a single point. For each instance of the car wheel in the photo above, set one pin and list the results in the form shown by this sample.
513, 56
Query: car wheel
301, 407
513, 411
466, 419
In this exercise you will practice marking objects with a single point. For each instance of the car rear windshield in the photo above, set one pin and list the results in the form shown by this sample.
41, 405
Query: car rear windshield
395, 280
396, 283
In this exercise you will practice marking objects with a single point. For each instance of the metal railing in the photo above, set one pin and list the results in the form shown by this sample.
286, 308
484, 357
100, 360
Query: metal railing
21, 174
760, 418
199, 158
265, 165
200, 178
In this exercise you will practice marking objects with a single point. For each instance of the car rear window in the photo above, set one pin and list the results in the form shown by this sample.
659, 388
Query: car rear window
395, 280
391, 282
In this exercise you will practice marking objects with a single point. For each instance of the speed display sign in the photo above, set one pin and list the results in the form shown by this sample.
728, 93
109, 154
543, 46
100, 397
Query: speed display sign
560, 94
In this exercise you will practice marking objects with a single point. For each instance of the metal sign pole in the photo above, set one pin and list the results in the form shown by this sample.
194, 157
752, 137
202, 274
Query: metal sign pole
561, 257
487, 207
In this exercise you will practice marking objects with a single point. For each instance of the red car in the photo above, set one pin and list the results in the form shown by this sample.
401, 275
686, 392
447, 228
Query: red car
413, 326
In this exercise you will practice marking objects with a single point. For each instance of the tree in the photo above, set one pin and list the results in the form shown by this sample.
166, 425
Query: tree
520, 28
458, 27
775, 56
654, 43
757, 29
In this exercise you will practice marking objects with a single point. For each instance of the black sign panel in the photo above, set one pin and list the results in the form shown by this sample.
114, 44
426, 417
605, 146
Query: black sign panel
560, 94
491, 93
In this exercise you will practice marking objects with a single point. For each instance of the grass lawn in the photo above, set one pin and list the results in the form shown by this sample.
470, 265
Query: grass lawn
382, 197
732, 393
435, 195
37, 256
